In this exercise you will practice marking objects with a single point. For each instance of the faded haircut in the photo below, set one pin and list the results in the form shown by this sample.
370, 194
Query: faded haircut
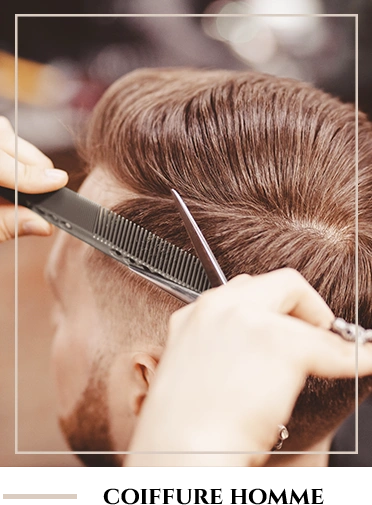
267, 166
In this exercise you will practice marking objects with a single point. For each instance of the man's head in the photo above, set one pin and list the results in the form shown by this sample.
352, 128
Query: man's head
267, 167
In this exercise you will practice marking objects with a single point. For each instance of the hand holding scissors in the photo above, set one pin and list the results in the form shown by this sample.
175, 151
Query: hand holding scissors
234, 365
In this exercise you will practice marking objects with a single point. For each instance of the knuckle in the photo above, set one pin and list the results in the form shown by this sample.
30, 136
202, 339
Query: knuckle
241, 280
6, 232
292, 275
5, 124
25, 173
207, 300
216, 304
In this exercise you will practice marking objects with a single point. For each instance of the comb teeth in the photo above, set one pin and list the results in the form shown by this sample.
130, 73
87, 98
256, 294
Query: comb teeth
150, 251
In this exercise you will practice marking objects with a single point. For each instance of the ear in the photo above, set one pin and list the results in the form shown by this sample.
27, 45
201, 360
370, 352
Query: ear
143, 368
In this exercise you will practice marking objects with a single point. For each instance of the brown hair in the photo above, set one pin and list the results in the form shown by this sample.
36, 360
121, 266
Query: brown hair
267, 167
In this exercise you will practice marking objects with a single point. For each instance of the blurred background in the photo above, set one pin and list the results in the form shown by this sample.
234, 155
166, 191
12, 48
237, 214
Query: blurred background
65, 63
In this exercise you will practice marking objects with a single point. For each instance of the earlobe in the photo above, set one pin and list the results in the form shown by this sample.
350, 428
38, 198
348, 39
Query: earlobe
143, 371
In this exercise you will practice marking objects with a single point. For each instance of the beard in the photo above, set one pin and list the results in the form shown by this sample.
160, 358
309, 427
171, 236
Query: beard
87, 428
321, 407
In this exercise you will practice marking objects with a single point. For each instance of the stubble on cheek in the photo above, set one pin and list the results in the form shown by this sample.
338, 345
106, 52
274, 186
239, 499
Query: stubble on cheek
87, 428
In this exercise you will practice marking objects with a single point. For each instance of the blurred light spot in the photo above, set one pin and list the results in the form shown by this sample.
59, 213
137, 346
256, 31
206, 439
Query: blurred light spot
259, 49
285, 6
226, 25
209, 24
293, 26
281, 37
110, 63
38, 84
244, 30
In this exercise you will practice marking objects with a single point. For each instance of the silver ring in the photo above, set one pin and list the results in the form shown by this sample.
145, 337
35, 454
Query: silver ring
350, 331
283, 434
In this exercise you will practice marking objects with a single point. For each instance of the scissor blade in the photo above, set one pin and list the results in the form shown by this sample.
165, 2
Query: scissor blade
214, 272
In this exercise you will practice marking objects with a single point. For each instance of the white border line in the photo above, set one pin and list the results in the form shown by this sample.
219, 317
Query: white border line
355, 16
356, 233
232, 15
16, 236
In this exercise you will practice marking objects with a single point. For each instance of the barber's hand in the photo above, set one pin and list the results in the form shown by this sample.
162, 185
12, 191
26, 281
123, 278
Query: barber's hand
234, 365
35, 175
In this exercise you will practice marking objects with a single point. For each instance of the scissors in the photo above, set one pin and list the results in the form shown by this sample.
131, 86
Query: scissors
348, 331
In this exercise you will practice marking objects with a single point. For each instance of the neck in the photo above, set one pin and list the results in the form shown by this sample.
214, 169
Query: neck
304, 459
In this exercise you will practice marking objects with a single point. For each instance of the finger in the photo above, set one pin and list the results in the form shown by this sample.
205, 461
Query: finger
178, 322
31, 179
338, 358
27, 153
29, 223
320, 352
283, 291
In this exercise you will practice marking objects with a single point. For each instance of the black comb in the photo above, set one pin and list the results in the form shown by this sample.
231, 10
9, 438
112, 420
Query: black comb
175, 270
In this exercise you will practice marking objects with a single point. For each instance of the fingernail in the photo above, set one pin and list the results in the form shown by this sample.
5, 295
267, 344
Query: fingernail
55, 174
36, 228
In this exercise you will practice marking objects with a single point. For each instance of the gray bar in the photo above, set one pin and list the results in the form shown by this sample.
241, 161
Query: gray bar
39, 495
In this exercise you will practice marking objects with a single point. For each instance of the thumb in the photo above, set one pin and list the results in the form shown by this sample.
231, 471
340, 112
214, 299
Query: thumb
29, 223
31, 179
